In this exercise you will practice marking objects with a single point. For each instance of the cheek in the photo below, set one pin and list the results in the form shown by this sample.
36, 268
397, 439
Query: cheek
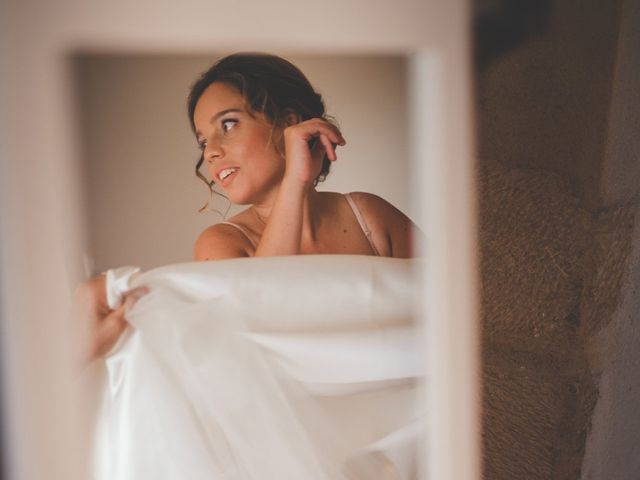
262, 148
271, 139
277, 143
274, 148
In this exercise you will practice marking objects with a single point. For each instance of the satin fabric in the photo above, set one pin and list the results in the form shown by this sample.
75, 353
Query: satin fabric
302, 367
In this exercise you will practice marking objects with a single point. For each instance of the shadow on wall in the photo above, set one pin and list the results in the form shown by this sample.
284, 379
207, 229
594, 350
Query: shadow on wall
500, 26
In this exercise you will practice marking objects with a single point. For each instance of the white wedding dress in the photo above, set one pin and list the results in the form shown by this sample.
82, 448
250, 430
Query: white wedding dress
302, 367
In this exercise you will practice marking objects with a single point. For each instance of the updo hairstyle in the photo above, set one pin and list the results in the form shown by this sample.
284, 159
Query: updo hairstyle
270, 85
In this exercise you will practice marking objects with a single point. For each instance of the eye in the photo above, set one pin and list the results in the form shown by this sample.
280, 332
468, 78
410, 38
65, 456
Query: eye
202, 144
228, 124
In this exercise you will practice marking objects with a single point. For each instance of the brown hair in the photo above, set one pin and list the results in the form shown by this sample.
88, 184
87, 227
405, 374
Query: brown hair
270, 85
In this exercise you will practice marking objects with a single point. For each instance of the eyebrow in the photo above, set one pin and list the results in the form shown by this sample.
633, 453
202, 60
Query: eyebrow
213, 119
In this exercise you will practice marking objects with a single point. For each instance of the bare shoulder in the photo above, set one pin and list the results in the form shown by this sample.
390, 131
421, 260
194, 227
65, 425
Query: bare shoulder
221, 241
370, 200
377, 210
385, 220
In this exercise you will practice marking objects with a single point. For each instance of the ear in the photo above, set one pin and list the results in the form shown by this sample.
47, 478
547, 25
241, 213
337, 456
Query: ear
291, 117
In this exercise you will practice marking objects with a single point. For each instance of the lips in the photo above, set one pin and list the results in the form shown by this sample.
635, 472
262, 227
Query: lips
225, 175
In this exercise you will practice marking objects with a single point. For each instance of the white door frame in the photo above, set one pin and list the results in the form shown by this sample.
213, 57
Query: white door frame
41, 227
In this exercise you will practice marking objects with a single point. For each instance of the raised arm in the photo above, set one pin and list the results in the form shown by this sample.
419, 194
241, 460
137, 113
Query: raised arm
283, 230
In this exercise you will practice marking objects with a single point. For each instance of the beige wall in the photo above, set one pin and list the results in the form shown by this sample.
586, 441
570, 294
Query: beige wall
139, 152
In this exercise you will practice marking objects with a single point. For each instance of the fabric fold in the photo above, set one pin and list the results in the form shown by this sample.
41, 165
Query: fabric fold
265, 368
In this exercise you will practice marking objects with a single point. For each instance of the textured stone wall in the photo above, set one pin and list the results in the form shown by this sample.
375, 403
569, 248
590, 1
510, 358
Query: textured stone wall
551, 279
556, 255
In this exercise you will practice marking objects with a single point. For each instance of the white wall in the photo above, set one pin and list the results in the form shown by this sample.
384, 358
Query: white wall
140, 153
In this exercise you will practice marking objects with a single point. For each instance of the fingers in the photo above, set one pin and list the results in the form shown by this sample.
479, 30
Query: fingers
132, 297
329, 148
330, 131
305, 145
109, 325
324, 136
315, 127
90, 297
108, 331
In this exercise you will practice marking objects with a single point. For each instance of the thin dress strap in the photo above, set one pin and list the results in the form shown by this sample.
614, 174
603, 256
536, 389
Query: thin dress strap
363, 224
244, 232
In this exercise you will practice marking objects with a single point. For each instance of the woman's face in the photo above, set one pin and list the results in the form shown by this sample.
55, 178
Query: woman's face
238, 149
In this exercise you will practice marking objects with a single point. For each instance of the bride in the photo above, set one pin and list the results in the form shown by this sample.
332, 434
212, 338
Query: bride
266, 142
222, 376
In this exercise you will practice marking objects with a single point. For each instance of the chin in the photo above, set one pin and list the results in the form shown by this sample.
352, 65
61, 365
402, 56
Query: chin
240, 198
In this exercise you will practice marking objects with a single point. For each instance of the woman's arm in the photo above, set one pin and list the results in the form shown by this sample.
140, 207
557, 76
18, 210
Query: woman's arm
283, 230
221, 241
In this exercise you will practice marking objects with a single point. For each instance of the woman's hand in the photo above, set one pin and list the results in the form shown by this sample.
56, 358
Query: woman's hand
303, 164
102, 325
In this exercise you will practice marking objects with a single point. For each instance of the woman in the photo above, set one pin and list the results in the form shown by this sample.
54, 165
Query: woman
267, 142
